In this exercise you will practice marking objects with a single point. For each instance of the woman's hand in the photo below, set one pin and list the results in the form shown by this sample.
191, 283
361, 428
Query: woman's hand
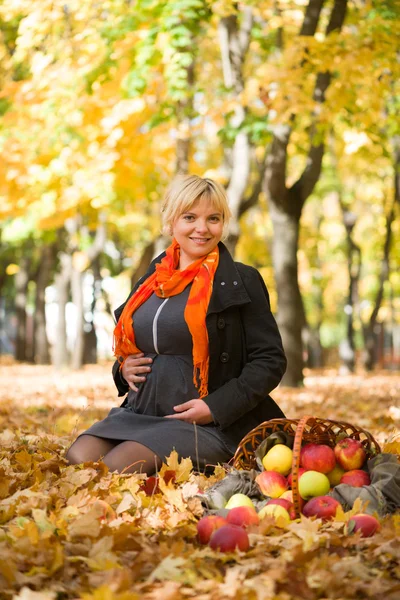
192, 411
133, 367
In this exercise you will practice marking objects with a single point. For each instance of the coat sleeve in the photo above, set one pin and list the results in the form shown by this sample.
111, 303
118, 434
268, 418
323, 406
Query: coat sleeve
266, 361
122, 386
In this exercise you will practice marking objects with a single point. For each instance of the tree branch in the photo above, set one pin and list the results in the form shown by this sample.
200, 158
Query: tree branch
304, 186
311, 17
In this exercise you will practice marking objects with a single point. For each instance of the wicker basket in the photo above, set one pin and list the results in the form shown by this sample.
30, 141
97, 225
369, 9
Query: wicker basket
308, 429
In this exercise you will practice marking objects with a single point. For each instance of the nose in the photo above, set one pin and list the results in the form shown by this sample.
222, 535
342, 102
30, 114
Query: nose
201, 226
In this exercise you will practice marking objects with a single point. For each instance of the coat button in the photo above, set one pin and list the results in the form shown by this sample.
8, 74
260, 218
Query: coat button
221, 323
224, 357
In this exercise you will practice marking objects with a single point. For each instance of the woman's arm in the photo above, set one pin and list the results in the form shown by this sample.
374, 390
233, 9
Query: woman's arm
266, 361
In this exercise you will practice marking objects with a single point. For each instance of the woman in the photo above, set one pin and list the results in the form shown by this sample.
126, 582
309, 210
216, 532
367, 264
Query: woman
198, 348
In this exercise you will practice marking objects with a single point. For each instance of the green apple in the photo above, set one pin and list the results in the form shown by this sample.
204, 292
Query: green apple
313, 483
335, 475
239, 500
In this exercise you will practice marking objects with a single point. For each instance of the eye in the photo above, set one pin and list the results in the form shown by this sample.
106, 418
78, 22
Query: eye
215, 218
188, 217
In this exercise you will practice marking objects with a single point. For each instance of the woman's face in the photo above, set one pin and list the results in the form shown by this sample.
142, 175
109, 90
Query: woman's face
197, 231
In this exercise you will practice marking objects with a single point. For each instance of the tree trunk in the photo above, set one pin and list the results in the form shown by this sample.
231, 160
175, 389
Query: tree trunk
145, 260
41, 343
184, 130
369, 358
286, 205
90, 256
62, 282
21, 288
90, 338
291, 312
347, 347
234, 44
77, 299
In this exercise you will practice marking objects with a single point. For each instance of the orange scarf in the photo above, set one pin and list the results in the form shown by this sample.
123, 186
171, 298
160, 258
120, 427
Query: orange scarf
166, 281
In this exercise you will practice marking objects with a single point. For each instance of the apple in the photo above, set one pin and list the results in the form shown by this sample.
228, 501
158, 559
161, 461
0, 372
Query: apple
313, 483
290, 476
335, 475
289, 506
317, 457
323, 507
356, 478
367, 524
350, 454
271, 483
279, 513
207, 525
239, 500
278, 458
288, 495
229, 537
243, 516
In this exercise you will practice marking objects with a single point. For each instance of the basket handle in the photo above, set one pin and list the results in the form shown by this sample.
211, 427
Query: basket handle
296, 462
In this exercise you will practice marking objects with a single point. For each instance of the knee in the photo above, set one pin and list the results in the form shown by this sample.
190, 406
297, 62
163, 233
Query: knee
74, 456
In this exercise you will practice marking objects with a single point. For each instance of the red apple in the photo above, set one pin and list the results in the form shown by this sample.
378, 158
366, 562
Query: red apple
317, 457
300, 473
356, 478
350, 454
367, 524
323, 507
243, 516
271, 483
286, 504
207, 525
229, 537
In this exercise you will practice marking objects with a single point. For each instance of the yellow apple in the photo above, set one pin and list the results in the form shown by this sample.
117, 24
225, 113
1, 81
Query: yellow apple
279, 513
239, 500
278, 459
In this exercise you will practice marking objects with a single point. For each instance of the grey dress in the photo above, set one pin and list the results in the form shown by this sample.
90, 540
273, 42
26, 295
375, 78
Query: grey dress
162, 333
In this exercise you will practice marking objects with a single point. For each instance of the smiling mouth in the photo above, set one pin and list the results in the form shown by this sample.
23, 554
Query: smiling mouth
201, 240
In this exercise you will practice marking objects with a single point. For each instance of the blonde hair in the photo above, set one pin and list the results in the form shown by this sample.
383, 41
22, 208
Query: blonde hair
184, 191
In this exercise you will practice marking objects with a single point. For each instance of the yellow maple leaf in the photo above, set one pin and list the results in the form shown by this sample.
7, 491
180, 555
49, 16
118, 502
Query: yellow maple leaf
169, 569
182, 468
88, 524
172, 496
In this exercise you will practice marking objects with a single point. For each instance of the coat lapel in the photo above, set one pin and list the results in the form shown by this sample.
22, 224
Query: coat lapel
228, 288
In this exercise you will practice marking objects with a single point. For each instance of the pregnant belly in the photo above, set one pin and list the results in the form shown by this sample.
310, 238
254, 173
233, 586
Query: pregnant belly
169, 383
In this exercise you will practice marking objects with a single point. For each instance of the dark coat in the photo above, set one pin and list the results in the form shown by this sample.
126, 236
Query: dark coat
247, 360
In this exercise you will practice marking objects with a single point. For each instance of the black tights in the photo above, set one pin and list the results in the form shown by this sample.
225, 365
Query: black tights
126, 457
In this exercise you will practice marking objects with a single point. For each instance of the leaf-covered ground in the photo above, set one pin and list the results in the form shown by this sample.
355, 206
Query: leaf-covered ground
80, 532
